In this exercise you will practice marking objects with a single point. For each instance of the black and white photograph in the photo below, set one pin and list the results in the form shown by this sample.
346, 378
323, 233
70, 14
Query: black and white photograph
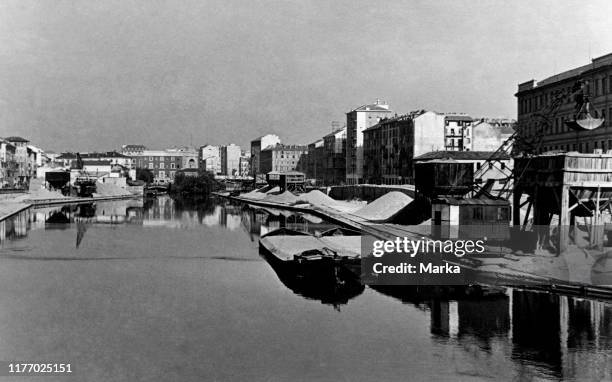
305, 190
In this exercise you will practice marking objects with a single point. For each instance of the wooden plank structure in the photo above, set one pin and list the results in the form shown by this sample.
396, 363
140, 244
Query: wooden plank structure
564, 184
443, 177
287, 181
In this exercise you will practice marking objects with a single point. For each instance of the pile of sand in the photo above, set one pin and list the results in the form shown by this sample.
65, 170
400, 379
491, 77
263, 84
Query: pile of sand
38, 191
285, 198
261, 193
385, 207
109, 189
319, 199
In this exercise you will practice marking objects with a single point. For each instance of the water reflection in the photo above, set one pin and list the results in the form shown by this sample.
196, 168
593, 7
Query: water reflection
510, 333
548, 336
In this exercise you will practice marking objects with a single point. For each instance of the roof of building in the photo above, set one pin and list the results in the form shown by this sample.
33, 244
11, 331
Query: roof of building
461, 155
595, 63
458, 117
16, 139
472, 201
336, 132
373, 107
66, 156
96, 163
133, 147
282, 147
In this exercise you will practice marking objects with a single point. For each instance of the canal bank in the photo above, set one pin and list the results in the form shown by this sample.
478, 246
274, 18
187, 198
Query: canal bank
13, 207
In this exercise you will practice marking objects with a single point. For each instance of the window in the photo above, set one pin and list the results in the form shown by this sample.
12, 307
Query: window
172, 165
162, 174
151, 165
172, 174
161, 165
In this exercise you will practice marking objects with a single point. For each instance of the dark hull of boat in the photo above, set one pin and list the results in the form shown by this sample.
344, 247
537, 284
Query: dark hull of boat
325, 280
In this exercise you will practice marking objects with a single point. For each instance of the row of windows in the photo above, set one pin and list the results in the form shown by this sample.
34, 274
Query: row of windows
582, 147
601, 86
162, 165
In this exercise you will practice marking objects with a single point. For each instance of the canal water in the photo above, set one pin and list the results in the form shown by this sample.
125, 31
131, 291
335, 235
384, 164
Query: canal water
162, 290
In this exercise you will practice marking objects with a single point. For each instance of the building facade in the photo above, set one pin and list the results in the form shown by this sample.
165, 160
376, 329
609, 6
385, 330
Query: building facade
358, 120
315, 161
209, 157
282, 158
391, 145
230, 160
335, 157
490, 133
458, 132
8, 164
25, 159
257, 145
162, 163
535, 98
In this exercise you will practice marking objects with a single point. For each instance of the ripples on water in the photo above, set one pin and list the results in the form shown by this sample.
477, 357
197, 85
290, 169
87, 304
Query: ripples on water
167, 290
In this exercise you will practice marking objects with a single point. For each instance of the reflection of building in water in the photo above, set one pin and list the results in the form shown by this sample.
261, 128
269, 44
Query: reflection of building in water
562, 335
15, 227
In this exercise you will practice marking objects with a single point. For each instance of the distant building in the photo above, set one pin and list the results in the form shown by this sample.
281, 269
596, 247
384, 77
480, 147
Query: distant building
164, 163
257, 145
25, 159
131, 150
335, 157
315, 161
358, 120
189, 156
8, 164
391, 145
281, 158
457, 129
230, 160
533, 100
210, 158
245, 164
488, 134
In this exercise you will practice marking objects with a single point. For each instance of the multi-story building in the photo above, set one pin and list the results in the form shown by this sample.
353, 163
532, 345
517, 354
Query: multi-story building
315, 161
209, 157
335, 157
391, 145
488, 134
281, 158
458, 135
245, 164
189, 155
257, 145
230, 160
358, 120
534, 99
25, 159
162, 163
8, 164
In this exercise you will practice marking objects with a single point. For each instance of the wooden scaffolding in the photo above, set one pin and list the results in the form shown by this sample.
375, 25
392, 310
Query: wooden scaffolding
567, 185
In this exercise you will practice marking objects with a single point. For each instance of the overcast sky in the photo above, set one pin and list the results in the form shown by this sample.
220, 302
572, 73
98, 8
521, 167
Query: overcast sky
85, 75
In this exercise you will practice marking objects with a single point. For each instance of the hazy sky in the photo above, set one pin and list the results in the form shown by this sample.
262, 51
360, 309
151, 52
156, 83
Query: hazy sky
84, 75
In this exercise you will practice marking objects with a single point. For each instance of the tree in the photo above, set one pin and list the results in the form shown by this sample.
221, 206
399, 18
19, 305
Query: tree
145, 175
197, 186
